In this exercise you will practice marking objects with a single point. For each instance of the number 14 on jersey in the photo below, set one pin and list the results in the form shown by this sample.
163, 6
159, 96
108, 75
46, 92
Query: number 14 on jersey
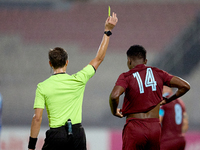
149, 80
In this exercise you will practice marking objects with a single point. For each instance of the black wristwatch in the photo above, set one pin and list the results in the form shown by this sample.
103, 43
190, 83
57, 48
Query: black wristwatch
108, 33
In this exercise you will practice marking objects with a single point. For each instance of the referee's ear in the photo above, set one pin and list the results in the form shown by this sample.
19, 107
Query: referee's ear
50, 64
67, 61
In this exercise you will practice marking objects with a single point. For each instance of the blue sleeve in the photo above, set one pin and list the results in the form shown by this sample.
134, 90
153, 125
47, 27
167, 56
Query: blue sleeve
161, 112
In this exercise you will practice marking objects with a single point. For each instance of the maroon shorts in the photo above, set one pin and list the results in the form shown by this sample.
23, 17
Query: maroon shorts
141, 134
177, 143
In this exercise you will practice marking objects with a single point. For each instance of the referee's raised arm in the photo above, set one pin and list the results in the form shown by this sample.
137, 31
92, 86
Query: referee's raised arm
110, 23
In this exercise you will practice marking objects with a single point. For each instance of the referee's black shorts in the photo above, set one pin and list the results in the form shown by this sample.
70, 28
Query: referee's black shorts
58, 139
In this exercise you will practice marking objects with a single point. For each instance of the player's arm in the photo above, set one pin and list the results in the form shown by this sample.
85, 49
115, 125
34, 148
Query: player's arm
182, 85
35, 128
114, 100
161, 119
185, 125
110, 23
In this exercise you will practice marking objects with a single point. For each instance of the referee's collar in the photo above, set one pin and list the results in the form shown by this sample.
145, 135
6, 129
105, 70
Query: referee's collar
59, 73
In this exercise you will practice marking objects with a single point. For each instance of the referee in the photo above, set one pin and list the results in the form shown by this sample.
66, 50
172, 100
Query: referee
62, 95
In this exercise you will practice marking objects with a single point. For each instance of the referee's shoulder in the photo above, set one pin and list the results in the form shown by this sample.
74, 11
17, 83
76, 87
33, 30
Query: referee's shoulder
44, 81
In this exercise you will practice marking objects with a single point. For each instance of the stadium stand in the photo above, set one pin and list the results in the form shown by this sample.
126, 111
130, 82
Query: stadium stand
151, 25
27, 33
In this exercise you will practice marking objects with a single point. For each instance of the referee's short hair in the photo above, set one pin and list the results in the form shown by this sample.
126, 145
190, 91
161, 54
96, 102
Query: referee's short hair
136, 52
58, 57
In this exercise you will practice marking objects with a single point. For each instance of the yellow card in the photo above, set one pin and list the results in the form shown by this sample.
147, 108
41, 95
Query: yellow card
108, 11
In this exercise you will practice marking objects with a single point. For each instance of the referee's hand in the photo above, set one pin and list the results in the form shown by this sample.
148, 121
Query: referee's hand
111, 22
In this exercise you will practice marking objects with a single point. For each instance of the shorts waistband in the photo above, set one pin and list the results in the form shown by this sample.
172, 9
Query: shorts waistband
73, 126
146, 119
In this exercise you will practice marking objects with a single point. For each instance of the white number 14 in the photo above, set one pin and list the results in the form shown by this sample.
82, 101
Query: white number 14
149, 80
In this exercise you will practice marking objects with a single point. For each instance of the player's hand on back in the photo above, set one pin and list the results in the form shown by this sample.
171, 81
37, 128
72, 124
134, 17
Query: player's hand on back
111, 22
164, 101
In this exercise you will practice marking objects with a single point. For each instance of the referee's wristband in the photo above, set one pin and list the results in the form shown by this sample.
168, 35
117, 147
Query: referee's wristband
32, 143
108, 33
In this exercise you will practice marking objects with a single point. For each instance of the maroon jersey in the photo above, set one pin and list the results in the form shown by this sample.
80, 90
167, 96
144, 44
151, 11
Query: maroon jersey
172, 119
143, 87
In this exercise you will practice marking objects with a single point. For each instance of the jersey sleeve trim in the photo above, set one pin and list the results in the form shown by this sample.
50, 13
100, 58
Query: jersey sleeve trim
94, 69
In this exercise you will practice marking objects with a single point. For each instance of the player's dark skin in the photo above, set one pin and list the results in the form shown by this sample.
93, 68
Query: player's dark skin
117, 91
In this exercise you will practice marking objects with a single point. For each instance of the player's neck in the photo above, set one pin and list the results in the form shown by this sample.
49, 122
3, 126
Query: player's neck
137, 62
